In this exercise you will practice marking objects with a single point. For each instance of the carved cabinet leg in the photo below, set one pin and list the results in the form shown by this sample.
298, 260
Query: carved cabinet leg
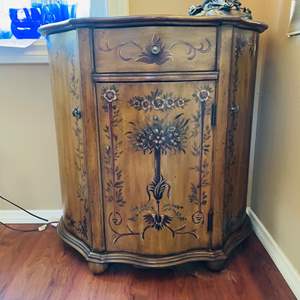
216, 266
97, 268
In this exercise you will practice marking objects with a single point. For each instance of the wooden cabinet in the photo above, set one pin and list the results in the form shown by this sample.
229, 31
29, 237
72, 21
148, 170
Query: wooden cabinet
153, 119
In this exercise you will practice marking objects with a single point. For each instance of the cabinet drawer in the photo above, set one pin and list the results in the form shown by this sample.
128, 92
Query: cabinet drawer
156, 148
155, 49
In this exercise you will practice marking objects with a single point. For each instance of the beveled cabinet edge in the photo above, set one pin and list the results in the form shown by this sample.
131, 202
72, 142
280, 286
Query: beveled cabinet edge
155, 77
163, 261
161, 20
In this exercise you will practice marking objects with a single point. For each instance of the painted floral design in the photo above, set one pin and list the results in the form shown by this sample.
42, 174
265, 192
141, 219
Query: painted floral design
113, 190
156, 221
155, 52
159, 137
110, 95
157, 100
203, 95
245, 44
80, 225
202, 149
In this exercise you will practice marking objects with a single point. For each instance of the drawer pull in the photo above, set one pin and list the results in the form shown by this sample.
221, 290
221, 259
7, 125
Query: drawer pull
155, 50
76, 113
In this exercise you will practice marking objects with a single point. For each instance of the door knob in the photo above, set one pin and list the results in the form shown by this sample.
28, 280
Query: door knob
235, 108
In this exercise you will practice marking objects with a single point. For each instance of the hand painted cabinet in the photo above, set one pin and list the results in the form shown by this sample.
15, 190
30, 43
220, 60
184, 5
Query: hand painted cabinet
153, 118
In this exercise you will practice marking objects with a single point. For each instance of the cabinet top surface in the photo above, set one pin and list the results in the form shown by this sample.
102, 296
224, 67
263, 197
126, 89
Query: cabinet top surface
158, 20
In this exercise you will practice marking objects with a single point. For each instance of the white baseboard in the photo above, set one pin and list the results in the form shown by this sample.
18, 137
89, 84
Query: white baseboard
20, 217
285, 267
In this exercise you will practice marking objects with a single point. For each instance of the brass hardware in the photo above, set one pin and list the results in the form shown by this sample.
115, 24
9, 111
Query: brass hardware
155, 50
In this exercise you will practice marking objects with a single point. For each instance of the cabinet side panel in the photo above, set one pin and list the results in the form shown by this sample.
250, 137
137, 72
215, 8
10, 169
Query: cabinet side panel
91, 138
224, 63
66, 90
244, 58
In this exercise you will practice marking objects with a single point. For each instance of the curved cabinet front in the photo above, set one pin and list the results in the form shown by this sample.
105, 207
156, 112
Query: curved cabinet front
156, 162
155, 49
153, 124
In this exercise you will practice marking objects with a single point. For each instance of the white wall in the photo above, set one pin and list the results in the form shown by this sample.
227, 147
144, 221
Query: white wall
276, 177
28, 155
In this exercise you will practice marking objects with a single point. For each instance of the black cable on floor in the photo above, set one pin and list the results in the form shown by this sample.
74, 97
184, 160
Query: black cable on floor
28, 212
39, 228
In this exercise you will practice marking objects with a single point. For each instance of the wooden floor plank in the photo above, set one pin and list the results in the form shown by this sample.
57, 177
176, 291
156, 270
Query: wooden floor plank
38, 266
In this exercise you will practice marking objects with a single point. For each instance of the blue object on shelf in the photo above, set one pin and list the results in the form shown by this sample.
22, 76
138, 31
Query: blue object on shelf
25, 22
5, 31
37, 5
68, 11
51, 13
5, 34
56, 12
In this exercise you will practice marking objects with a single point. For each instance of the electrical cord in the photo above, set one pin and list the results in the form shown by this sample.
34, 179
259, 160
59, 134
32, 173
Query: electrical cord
28, 212
42, 227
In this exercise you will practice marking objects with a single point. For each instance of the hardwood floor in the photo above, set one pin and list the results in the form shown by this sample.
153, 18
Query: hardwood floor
37, 266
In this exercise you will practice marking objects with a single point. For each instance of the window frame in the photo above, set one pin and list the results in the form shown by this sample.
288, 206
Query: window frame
37, 52
294, 24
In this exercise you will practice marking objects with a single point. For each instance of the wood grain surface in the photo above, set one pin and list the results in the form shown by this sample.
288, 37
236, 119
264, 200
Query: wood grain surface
153, 125
155, 20
67, 89
178, 168
180, 49
37, 266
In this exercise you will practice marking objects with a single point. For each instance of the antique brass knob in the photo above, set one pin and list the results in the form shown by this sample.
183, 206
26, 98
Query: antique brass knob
155, 50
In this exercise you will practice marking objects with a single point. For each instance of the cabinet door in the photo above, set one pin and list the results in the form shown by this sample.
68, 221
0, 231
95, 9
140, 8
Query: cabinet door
156, 161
